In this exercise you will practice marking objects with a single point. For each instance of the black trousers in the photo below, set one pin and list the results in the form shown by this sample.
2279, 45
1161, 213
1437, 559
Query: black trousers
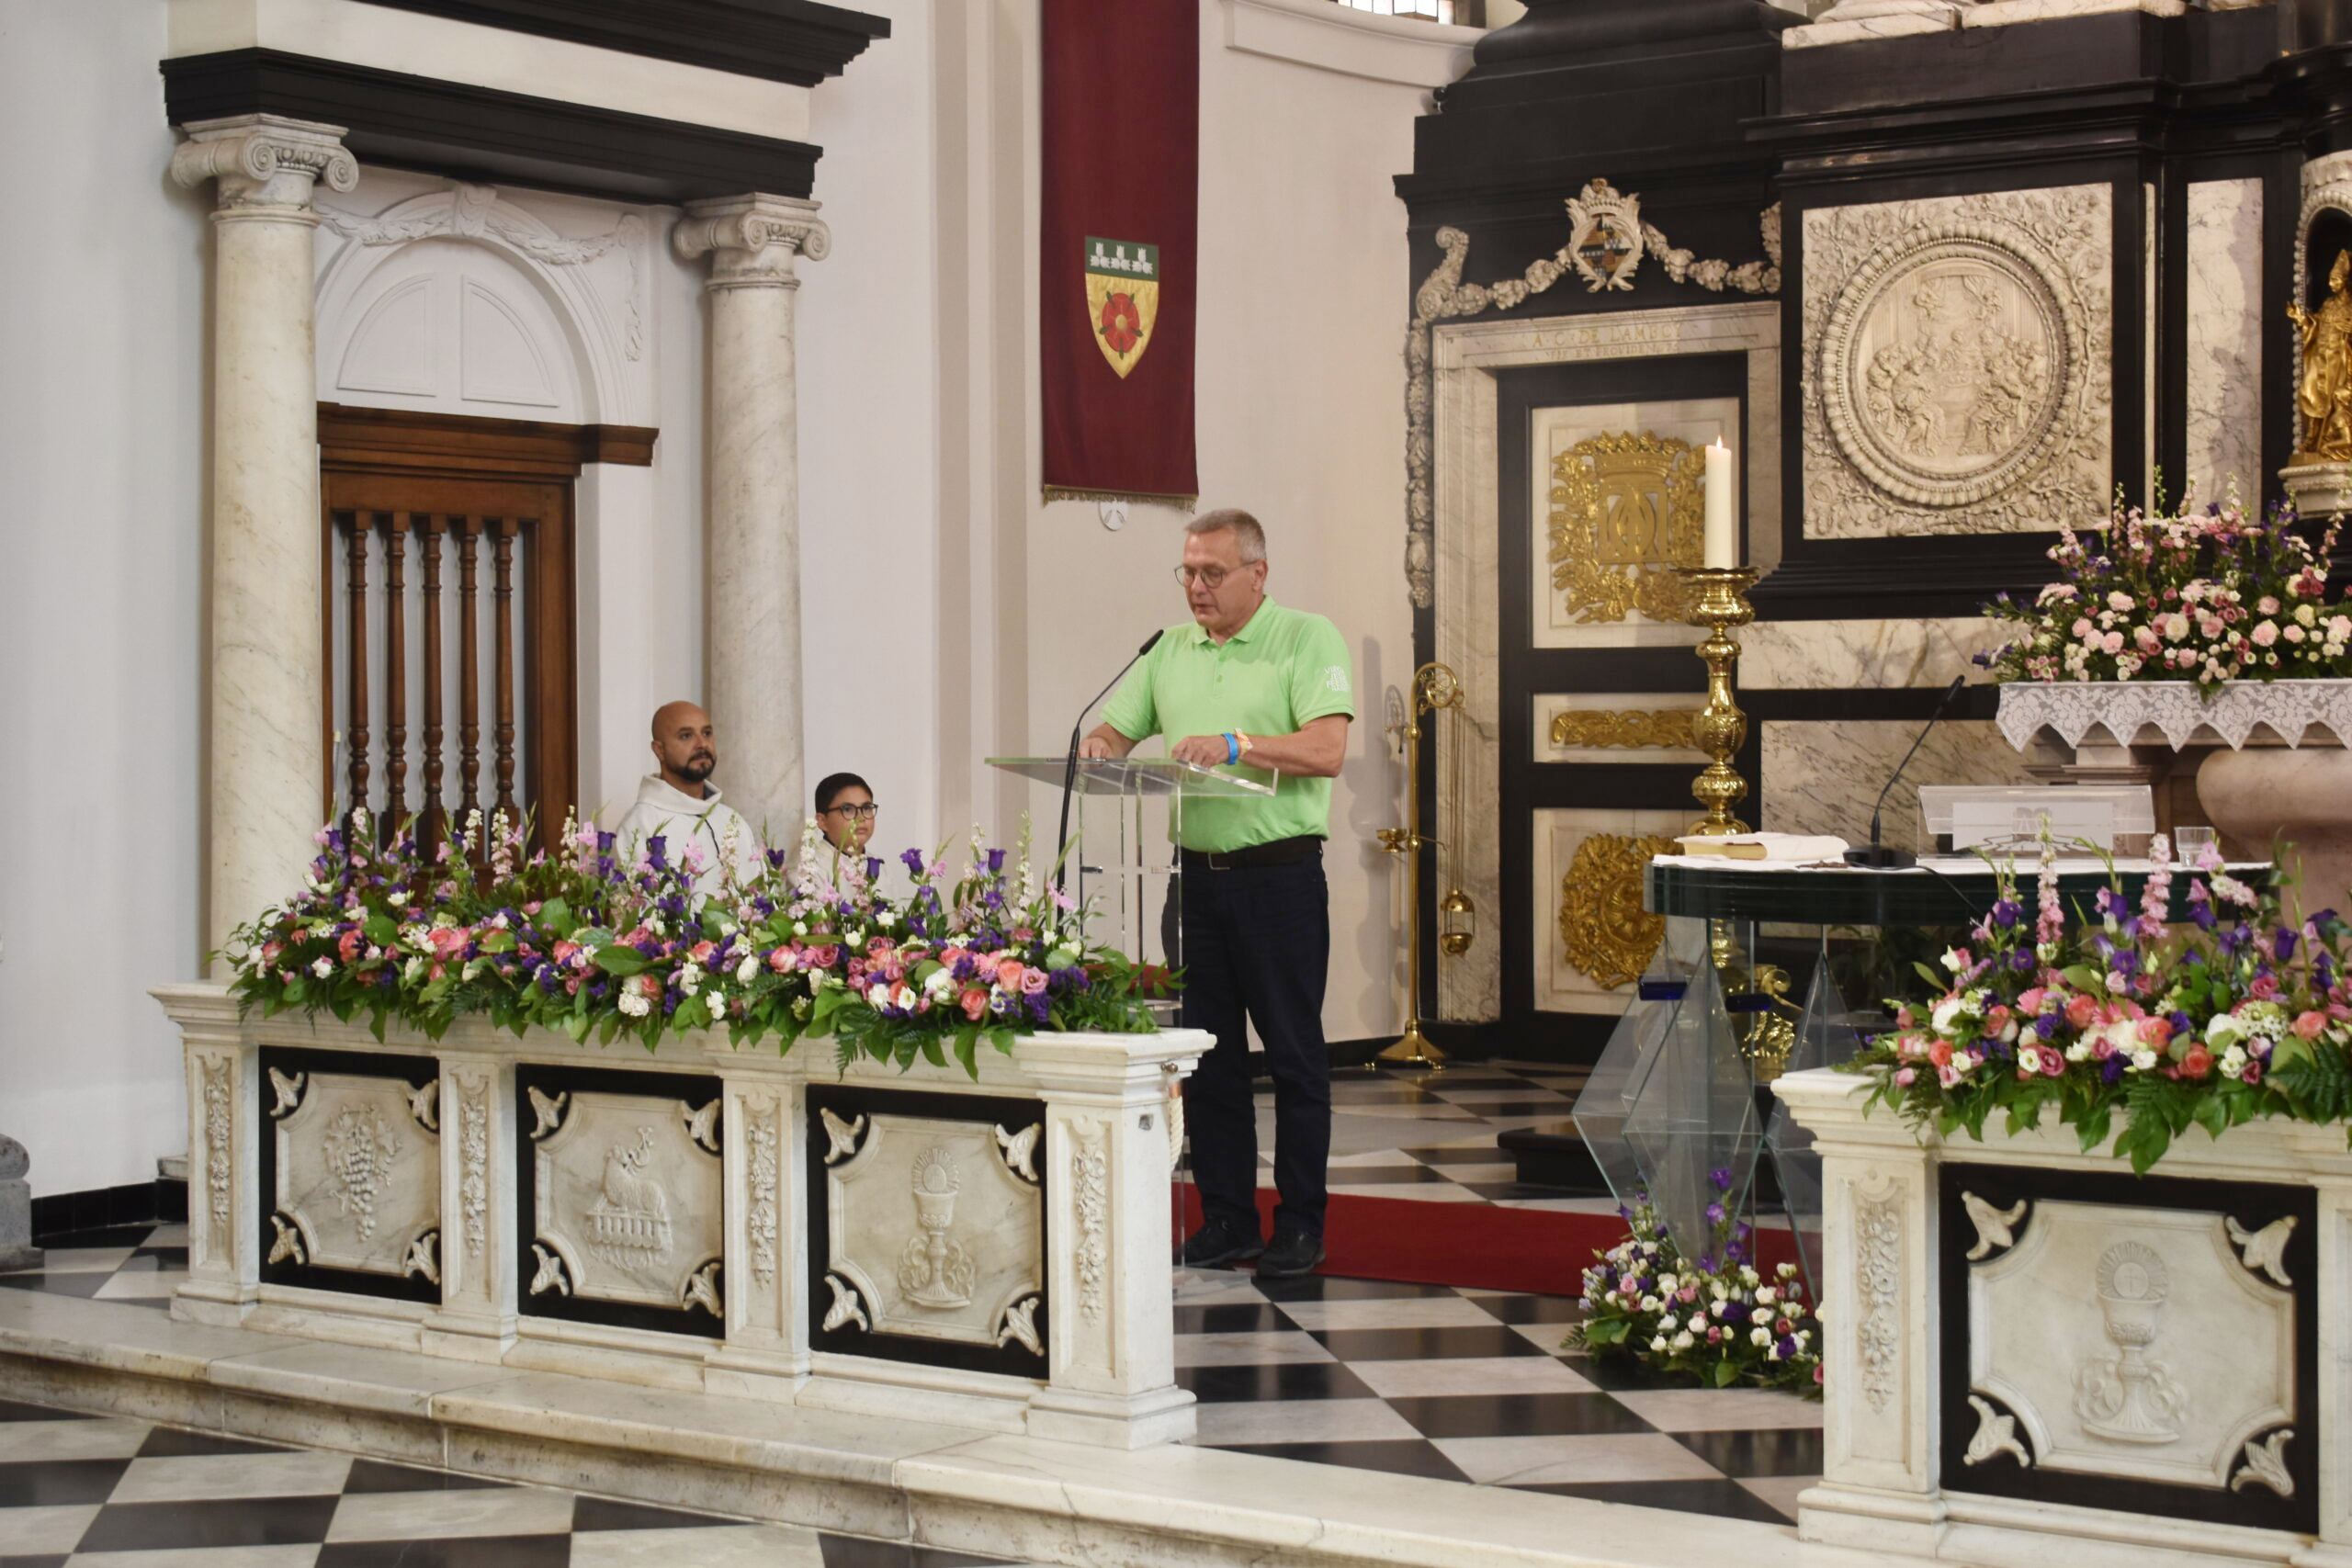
1256, 949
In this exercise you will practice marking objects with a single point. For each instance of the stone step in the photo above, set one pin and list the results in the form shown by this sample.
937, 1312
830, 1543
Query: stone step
950, 1488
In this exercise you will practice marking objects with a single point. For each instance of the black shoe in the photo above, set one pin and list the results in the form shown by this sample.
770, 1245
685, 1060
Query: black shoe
1292, 1254
1218, 1244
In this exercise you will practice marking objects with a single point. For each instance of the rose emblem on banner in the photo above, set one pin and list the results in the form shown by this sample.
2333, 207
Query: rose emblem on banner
1122, 297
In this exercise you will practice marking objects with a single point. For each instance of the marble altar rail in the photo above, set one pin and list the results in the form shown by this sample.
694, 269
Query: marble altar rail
991, 1253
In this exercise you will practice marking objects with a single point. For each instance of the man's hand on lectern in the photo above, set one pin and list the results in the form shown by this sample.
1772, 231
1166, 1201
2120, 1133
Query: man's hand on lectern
1201, 750
1094, 748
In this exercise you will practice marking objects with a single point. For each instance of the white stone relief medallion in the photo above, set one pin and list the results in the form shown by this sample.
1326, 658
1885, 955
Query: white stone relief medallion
929, 1228
1956, 363
2131, 1342
1950, 357
356, 1174
2129, 1397
627, 1197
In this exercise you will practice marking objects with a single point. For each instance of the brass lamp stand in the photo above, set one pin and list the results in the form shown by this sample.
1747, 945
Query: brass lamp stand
1434, 687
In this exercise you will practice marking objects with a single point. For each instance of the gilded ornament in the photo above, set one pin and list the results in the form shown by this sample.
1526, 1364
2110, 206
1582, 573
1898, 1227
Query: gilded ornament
2324, 396
1626, 510
1604, 932
1638, 728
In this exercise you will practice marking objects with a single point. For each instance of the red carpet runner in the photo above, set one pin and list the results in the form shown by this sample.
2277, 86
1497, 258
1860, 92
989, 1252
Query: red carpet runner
1476, 1244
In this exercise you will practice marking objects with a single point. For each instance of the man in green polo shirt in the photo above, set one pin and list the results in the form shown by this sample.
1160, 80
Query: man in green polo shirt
1256, 687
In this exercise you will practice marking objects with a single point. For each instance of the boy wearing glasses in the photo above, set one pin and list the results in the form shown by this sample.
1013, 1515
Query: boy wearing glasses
1250, 683
845, 811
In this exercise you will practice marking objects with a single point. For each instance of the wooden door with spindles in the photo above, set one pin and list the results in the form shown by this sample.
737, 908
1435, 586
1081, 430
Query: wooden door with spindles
450, 643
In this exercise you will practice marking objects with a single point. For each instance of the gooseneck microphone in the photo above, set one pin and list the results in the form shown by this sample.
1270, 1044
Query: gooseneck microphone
1879, 856
1070, 767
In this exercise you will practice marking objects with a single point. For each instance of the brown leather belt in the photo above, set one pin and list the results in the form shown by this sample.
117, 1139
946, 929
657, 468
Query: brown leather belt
1280, 852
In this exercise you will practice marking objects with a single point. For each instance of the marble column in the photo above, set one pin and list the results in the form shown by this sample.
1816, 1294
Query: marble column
267, 755
753, 694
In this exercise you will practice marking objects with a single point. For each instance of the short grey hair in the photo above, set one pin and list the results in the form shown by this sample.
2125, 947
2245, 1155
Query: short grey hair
1246, 535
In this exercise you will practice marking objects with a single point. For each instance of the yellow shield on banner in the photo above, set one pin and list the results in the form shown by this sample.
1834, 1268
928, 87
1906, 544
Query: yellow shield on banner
1122, 299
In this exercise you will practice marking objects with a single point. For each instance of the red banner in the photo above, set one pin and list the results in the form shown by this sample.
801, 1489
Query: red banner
1121, 197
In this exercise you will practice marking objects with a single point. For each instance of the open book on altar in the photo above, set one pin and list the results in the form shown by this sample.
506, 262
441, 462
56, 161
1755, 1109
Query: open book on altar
1767, 846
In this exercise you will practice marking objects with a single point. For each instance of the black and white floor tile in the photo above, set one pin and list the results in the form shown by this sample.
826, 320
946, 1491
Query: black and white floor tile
1430, 1136
1472, 1385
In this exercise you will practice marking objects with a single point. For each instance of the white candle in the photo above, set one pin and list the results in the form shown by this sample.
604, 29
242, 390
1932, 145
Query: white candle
1722, 532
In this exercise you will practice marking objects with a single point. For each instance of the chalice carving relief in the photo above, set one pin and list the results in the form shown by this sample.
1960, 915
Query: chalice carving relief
2126, 1397
932, 1271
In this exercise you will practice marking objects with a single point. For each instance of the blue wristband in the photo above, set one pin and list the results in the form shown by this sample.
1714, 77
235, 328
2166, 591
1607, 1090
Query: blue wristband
1232, 751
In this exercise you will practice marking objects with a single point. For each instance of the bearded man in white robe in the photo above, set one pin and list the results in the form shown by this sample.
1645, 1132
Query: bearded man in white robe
678, 804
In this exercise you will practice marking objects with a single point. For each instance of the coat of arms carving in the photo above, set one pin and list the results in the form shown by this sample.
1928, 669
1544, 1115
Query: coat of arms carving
1605, 236
1626, 510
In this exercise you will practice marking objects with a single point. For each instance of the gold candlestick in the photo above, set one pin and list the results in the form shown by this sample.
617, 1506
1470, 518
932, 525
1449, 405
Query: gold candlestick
1719, 603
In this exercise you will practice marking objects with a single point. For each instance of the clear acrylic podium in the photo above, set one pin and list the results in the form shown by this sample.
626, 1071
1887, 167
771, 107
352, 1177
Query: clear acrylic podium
1128, 816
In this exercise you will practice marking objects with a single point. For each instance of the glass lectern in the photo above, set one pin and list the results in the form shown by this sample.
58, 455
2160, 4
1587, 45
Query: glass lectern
1128, 816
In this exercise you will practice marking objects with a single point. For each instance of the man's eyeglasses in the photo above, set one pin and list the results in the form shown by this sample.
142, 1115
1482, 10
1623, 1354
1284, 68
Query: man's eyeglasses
1210, 577
854, 813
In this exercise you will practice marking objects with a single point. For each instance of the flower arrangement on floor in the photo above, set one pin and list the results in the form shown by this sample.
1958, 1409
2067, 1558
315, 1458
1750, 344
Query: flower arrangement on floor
590, 941
2204, 597
1719, 1321
2214, 1014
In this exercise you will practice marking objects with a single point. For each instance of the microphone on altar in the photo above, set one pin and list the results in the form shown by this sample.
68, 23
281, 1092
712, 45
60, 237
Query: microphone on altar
1069, 769
1876, 855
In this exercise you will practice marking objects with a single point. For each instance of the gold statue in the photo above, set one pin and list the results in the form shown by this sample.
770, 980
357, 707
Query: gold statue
2325, 397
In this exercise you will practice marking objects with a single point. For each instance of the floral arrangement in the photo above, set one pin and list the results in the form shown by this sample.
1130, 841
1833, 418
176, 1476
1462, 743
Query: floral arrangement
1720, 1321
2205, 597
2212, 1014
595, 940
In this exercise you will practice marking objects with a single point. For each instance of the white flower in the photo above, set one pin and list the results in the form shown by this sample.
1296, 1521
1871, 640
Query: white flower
878, 993
1667, 1284
887, 919
747, 969
855, 940
1764, 1295
323, 968
1683, 1341
2144, 1061
1698, 1324
2233, 1061
397, 899
1759, 1336
1773, 1352
1947, 1012
633, 1005
690, 978
799, 928
1659, 1343
1649, 1304
1953, 961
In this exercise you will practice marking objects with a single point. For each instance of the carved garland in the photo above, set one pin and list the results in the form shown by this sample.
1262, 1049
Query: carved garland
1634, 728
473, 1159
763, 1167
1878, 1334
474, 212
1090, 1196
218, 1171
1443, 296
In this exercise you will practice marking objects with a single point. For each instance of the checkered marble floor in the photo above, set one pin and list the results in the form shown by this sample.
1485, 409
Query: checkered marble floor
1471, 1385
1430, 1136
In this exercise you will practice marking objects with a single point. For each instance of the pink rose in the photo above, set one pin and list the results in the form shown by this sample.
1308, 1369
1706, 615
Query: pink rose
2264, 989
700, 952
1033, 982
2156, 1033
2265, 633
2112, 642
2311, 1025
2051, 1063
1948, 1074
2080, 1010
976, 1003
784, 960
2197, 1062
1906, 1076
2266, 605
1008, 974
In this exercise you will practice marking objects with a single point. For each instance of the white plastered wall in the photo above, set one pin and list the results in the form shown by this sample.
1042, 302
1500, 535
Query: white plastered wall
103, 475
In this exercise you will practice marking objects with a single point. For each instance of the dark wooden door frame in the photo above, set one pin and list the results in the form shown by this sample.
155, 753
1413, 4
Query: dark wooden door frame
452, 464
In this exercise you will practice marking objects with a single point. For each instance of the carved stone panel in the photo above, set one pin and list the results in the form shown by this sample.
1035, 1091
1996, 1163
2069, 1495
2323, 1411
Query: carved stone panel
932, 1223
626, 1201
2132, 1342
357, 1171
1957, 364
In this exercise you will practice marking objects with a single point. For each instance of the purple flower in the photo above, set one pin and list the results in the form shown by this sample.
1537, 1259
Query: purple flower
2022, 961
1720, 1177
2111, 1070
2009, 911
1715, 1213
2282, 945
657, 852
873, 867
996, 862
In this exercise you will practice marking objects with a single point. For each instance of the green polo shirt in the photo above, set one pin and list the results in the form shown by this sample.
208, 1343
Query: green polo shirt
1282, 670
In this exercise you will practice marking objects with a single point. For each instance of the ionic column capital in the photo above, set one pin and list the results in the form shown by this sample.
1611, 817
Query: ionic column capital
753, 241
265, 161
